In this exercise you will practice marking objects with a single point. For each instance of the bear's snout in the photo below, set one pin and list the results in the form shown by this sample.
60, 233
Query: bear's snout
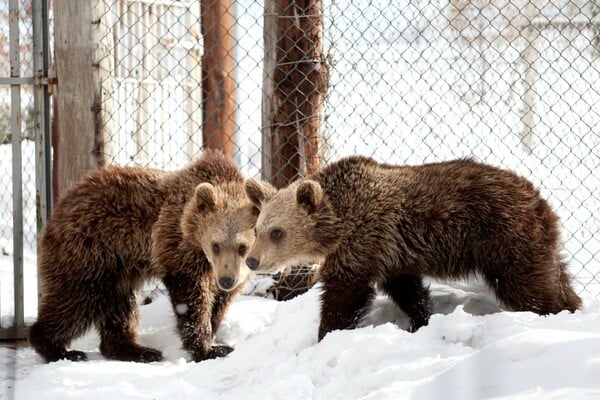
226, 283
252, 263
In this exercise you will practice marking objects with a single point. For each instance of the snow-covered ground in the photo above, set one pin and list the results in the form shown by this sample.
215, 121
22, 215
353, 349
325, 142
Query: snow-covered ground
469, 350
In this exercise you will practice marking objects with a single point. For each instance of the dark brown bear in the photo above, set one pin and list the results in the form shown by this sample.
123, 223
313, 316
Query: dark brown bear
369, 223
121, 226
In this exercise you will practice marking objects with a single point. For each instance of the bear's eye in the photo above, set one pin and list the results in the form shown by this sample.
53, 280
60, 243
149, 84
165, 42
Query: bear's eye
242, 250
215, 248
276, 235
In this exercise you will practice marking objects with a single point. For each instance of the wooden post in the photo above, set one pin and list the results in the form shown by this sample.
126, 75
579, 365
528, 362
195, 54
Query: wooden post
218, 85
79, 146
295, 82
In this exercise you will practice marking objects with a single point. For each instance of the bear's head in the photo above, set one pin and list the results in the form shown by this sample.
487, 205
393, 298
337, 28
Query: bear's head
296, 225
220, 220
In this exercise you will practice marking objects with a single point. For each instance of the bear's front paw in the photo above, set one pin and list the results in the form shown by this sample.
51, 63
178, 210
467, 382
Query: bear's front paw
75, 355
219, 351
130, 351
148, 355
214, 352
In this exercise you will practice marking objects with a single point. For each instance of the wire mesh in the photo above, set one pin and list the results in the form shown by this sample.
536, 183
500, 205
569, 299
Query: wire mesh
515, 84
27, 129
18, 224
512, 83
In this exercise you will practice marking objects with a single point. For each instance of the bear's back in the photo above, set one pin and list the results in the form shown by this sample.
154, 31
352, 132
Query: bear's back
107, 195
213, 167
437, 206
361, 187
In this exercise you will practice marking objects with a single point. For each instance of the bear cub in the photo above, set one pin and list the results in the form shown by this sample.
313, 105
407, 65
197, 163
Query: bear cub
121, 226
371, 224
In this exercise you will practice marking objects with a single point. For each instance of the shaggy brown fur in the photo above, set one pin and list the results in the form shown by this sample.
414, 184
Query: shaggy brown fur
371, 223
121, 226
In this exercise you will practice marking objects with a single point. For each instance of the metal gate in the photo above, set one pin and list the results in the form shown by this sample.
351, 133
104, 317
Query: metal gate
33, 46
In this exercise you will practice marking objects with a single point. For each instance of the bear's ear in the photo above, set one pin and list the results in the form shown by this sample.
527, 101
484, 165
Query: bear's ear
206, 197
309, 195
259, 192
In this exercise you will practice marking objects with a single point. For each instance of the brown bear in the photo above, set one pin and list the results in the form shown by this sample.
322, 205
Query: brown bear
121, 226
371, 224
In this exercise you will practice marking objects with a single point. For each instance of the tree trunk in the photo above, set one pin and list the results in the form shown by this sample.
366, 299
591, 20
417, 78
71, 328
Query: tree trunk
218, 85
295, 83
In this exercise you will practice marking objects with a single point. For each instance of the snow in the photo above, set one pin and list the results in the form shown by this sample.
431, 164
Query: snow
470, 350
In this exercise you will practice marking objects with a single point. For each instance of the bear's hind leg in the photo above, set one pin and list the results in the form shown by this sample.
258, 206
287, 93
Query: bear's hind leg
540, 288
58, 323
51, 342
116, 323
571, 300
409, 293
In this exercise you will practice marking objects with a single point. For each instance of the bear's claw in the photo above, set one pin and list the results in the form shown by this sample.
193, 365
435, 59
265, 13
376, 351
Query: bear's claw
216, 352
75, 355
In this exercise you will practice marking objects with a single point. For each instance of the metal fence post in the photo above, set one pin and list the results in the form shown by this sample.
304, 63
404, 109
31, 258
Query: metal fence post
41, 103
41, 127
17, 181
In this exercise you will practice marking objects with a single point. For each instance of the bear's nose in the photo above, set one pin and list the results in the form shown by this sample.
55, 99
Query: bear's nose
252, 263
226, 282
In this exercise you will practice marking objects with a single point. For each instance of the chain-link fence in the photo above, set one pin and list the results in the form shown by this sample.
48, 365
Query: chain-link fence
152, 81
26, 111
515, 84
23, 101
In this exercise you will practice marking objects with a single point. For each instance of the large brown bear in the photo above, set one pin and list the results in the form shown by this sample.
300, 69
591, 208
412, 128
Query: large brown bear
370, 223
121, 226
